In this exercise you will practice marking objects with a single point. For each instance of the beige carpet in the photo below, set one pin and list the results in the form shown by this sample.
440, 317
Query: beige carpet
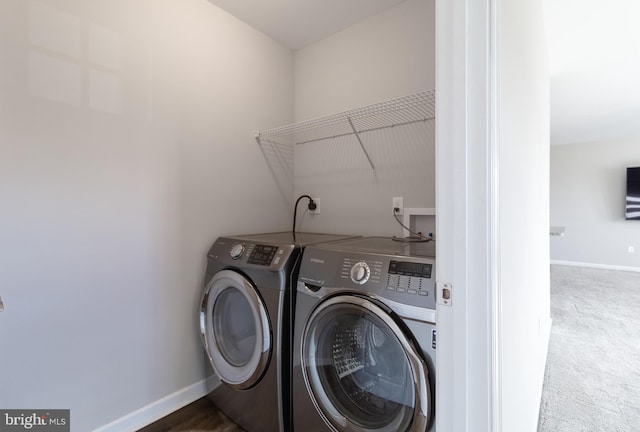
592, 378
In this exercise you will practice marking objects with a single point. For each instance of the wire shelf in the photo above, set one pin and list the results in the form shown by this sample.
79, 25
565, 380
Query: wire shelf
418, 107
394, 112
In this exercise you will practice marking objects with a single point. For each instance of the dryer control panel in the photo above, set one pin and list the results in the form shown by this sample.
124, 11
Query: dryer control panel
249, 255
262, 254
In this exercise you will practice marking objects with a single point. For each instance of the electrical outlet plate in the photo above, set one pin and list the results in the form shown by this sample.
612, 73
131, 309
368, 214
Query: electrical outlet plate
397, 202
317, 210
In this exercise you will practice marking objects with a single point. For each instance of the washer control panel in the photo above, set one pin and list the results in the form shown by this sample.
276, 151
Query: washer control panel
409, 282
410, 277
417, 269
403, 279
361, 271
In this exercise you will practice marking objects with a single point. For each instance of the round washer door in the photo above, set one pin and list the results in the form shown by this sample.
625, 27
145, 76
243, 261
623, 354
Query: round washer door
362, 370
235, 329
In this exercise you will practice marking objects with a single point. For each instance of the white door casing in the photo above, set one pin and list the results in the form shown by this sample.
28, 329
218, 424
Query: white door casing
467, 179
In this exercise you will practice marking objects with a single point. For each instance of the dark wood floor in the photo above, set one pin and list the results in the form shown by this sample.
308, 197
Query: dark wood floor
199, 416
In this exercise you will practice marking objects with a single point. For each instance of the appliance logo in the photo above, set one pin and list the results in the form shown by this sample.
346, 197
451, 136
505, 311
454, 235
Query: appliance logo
35, 420
316, 260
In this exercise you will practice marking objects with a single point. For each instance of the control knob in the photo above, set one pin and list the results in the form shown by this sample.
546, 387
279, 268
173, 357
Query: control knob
360, 272
237, 250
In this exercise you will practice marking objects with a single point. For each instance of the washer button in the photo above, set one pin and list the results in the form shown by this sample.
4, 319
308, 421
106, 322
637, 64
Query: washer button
360, 272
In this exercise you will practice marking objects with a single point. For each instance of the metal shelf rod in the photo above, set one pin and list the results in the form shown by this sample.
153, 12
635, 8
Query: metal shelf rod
362, 145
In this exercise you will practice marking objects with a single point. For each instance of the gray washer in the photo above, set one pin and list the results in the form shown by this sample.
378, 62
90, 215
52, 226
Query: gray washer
245, 325
364, 340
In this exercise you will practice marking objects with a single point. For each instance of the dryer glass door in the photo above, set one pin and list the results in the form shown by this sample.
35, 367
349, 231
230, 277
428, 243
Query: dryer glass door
362, 369
235, 329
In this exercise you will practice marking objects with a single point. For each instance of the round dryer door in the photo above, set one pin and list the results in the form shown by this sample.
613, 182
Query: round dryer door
235, 329
362, 369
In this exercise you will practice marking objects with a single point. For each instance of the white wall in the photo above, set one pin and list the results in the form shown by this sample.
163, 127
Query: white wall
389, 55
125, 149
492, 184
588, 188
524, 211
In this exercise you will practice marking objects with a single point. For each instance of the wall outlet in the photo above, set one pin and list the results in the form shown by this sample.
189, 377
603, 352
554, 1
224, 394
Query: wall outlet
397, 203
317, 210
631, 249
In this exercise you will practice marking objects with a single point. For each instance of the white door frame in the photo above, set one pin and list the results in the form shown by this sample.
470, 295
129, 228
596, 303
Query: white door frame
469, 331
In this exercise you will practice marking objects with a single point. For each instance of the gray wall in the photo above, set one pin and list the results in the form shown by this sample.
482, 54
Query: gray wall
125, 149
389, 55
588, 182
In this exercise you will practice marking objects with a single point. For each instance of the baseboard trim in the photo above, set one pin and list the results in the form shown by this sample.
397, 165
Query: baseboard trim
596, 266
156, 410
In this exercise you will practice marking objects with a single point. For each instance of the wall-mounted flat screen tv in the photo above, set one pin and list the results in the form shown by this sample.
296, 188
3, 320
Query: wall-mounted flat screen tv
633, 194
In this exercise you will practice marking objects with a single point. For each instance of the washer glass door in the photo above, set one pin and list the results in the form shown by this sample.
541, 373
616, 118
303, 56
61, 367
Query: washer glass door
235, 329
362, 370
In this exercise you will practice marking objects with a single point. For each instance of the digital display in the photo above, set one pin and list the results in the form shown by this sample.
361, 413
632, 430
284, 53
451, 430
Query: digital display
410, 269
262, 255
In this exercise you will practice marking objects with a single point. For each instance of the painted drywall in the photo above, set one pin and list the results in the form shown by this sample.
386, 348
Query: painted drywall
588, 188
523, 128
465, 203
389, 55
126, 148
493, 214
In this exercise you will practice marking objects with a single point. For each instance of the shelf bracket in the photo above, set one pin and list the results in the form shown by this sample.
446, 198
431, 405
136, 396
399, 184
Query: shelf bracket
355, 131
